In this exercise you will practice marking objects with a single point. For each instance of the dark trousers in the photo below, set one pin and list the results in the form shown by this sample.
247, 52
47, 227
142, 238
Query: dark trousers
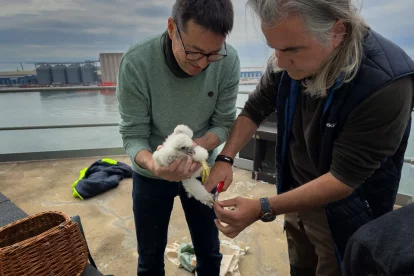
310, 244
153, 201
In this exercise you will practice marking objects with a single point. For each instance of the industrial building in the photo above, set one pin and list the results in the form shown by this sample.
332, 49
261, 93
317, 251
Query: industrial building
251, 72
66, 73
109, 64
88, 73
15, 78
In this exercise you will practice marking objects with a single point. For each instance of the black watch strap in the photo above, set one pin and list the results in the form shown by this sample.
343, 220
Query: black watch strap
264, 202
267, 214
224, 158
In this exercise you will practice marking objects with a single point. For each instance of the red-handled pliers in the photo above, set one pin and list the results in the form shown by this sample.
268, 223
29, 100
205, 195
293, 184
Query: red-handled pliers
218, 191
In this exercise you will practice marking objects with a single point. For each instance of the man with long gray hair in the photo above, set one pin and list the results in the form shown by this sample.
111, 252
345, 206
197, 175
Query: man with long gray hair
343, 96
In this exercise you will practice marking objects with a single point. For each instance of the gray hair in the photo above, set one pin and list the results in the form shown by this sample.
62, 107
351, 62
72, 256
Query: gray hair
319, 17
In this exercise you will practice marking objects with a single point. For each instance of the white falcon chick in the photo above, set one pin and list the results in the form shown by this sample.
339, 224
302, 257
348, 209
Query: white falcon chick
178, 145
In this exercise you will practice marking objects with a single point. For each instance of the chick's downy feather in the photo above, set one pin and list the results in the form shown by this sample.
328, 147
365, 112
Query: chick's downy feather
176, 146
179, 144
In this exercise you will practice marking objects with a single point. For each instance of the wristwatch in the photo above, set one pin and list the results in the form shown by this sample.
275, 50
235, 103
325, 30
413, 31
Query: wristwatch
267, 214
225, 159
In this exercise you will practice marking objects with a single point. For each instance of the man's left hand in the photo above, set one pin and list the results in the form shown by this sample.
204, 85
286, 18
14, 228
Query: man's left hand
245, 212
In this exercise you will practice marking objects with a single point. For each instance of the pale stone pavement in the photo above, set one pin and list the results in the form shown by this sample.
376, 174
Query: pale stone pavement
108, 218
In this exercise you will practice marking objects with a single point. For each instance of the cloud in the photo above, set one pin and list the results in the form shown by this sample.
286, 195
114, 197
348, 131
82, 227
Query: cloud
391, 18
153, 11
81, 29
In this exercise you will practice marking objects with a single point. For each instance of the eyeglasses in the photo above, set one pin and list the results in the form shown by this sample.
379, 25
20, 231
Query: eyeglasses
195, 56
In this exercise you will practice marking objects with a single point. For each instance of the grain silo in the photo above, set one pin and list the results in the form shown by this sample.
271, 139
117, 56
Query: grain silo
44, 74
59, 74
88, 72
73, 73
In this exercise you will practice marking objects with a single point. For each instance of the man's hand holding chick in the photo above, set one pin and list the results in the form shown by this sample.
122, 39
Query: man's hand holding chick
177, 171
180, 147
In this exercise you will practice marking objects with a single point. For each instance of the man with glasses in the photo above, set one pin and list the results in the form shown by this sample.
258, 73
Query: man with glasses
187, 75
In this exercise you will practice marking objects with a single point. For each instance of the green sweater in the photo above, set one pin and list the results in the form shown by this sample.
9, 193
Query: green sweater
153, 100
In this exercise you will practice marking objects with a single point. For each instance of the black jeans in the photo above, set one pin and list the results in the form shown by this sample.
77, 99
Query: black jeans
153, 201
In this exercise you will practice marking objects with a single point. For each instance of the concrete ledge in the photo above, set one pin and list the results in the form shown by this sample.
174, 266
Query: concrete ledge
241, 163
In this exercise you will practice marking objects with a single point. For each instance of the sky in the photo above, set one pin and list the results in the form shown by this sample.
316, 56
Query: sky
78, 30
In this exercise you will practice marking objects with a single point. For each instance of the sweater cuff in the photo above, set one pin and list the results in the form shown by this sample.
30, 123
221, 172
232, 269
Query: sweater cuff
133, 147
221, 133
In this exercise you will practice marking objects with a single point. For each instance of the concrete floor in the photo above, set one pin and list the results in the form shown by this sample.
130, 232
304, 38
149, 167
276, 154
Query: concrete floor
108, 219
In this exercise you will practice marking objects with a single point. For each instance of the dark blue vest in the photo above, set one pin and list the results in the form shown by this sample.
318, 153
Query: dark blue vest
383, 63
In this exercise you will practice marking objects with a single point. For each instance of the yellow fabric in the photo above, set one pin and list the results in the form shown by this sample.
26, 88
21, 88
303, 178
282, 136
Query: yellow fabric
76, 194
81, 175
205, 173
110, 161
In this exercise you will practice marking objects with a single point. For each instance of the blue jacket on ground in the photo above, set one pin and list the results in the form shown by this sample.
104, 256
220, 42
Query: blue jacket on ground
100, 177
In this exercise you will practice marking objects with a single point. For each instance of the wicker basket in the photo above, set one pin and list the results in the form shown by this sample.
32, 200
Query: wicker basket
48, 243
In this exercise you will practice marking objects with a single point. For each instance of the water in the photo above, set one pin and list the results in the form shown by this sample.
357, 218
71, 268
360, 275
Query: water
66, 107
57, 108
63, 108
87, 107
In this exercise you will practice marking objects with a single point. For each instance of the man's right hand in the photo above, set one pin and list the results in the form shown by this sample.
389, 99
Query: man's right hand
177, 171
221, 171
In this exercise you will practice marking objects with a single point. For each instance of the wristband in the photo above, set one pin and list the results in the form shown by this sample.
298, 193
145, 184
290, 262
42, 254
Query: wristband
225, 159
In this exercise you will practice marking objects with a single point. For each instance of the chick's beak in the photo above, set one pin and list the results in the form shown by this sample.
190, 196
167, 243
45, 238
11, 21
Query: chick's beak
191, 151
